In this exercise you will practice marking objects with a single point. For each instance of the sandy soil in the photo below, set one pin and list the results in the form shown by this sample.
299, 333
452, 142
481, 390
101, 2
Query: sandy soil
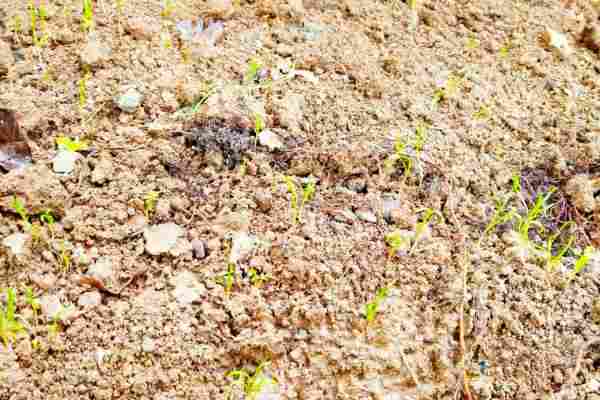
185, 247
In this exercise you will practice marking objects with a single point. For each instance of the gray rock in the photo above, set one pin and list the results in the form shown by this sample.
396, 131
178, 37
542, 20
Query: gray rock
242, 246
103, 171
90, 299
64, 161
366, 215
270, 140
102, 269
148, 345
187, 288
7, 58
182, 247
130, 100
199, 249
162, 238
16, 243
95, 53
292, 114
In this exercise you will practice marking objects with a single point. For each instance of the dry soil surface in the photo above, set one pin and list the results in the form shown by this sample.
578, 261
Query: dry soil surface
346, 251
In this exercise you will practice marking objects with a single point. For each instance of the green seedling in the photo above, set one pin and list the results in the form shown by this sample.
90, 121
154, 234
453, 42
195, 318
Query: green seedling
16, 25
397, 241
251, 383
540, 207
72, 145
228, 278
297, 205
150, 203
19, 207
33, 302
259, 126
37, 19
9, 326
420, 138
472, 42
554, 260
423, 225
257, 278
65, 257
82, 89
372, 308
505, 50
450, 88
120, 5
87, 17
168, 8
254, 67
412, 4
483, 113
47, 218
516, 183
582, 261
400, 155
502, 214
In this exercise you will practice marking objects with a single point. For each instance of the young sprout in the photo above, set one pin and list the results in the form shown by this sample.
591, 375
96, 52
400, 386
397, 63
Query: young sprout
168, 8
422, 226
257, 278
372, 308
420, 138
254, 67
483, 113
65, 257
72, 145
539, 207
19, 207
501, 216
291, 187
259, 126
400, 155
228, 278
33, 302
582, 261
150, 202
504, 50
553, 261
397, 241
516, 183
297, 205
450, 88
87, 17
252, 384
472, 42
9, 326
37, 18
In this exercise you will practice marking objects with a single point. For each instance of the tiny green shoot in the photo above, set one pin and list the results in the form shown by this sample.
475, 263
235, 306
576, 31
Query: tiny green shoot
82, 89
582, 261
291, 188
33, 302
540, 206
554, 260
400, 155
251, 383
422, 225
9, 326
87, 17
19, 207
396, 241
257, 278
150, 202
72, 145
372, 308
483, 113
259, 126
254, 67
65, 257
228, 278
502, 214
516, 183
168, 8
